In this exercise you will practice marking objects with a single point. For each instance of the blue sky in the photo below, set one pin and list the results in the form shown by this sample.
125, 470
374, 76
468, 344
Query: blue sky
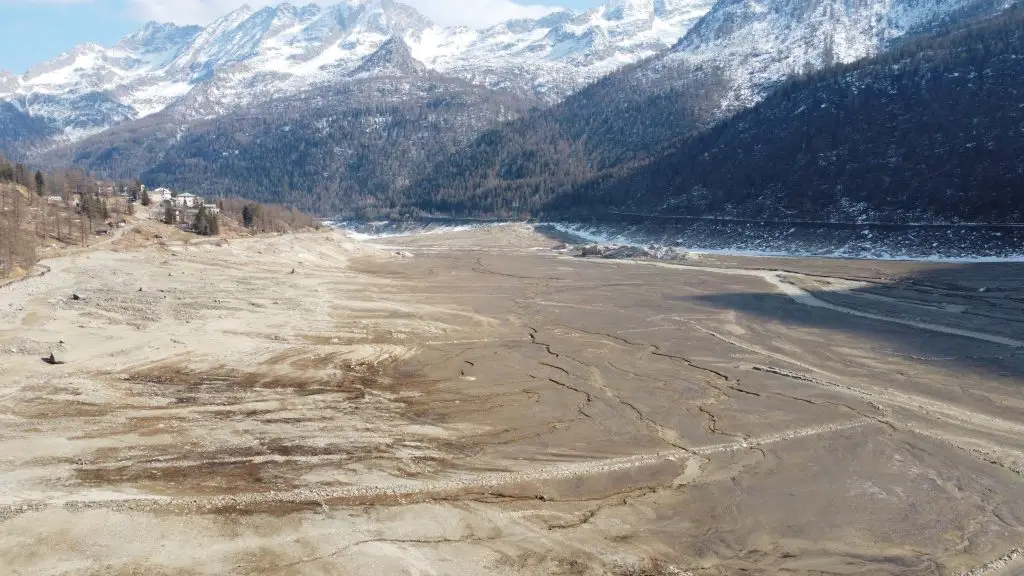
32, 31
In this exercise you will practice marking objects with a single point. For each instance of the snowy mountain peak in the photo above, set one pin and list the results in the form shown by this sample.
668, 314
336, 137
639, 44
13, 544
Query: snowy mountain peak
232, 18
8, 82
250, 55
393, 58
629, 9
385, 16
158, 37
757, 43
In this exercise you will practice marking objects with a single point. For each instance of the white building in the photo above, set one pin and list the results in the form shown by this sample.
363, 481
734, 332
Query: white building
187, 200
161, 194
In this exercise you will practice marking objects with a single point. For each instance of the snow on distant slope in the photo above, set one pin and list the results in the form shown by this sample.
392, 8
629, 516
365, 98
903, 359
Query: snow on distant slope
757, 43
560, 53
248, 55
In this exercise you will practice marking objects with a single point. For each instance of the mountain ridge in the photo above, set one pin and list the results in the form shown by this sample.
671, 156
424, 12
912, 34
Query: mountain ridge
284, 49
927, 133
648, 108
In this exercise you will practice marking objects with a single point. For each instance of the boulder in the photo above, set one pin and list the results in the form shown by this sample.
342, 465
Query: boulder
56, 357
627, 252
77, 297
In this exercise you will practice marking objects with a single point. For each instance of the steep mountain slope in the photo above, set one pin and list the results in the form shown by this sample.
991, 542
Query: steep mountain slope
759, 43
933, 131
329, 148
729, 60
250, 56
91, 88
517, 167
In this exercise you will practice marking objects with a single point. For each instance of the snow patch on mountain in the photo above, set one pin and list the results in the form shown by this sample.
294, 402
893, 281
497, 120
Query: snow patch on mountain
249, 55
758, 43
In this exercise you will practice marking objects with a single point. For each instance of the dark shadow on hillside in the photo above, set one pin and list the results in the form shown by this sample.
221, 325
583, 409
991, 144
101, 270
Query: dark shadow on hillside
986, 299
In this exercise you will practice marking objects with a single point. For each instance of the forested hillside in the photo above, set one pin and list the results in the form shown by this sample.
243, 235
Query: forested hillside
927, 129
931, 131
18, 128
732, 58
41, 211
517, 167
333, 148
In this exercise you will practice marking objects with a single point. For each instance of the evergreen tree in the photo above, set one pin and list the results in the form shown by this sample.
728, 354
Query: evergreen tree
145, 198
205, 223
40, 183
170, 214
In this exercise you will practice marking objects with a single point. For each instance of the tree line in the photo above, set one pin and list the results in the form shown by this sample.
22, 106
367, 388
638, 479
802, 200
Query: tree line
38, 208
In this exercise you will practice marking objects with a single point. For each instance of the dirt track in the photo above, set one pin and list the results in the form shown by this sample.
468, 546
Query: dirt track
474, 403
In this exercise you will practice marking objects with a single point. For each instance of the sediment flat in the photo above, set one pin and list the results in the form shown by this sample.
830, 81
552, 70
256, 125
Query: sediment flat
477, 402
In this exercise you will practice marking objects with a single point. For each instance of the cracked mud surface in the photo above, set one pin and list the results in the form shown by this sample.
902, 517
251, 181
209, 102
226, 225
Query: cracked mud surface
487, 406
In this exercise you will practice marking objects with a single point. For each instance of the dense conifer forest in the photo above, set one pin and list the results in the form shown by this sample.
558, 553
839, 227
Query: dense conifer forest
931, 131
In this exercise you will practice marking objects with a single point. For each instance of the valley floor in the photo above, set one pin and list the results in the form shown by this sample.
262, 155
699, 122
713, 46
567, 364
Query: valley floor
476, 403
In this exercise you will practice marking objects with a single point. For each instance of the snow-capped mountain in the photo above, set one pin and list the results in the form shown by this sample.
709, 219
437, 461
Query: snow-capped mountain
629, 119
251, 55
758, 43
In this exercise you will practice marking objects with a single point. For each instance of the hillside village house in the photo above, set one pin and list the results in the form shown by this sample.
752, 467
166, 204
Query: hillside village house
187, 200
161, 194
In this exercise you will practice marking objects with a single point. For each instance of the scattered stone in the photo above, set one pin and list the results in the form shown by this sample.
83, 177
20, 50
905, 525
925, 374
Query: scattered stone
77, 297
56, 357
293, 270
614, 251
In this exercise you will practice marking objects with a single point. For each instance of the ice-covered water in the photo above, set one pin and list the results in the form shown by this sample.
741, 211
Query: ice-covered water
951, 243
877, 241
